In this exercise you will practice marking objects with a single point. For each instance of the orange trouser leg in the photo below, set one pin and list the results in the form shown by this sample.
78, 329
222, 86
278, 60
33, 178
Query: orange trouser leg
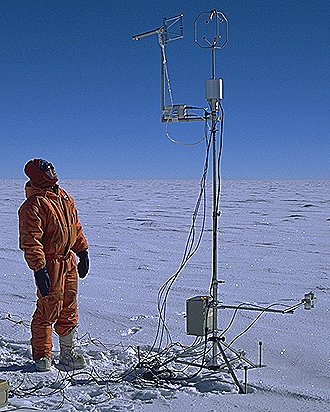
59, 307
68, 317
47, 311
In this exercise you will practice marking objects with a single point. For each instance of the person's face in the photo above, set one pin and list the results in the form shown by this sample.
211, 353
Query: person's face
48, 169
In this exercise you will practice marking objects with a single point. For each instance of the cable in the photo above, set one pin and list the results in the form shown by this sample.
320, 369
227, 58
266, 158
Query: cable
180, 143
254, 321
199, 141
11, 318
218, 177
231, 320
219, 156
190, 249
153, 370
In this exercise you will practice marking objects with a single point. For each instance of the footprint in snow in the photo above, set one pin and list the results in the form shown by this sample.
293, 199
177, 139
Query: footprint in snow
131, 331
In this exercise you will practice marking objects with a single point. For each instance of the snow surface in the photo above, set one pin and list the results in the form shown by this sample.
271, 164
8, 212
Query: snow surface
273, 247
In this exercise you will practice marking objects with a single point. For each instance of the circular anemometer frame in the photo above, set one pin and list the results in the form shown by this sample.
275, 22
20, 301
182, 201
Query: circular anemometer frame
219, 24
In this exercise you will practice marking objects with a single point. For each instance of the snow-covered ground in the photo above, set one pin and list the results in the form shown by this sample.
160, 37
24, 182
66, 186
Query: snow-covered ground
274, 246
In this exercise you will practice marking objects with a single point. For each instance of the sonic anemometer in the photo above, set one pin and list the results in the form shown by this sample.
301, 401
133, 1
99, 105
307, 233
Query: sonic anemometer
210, 32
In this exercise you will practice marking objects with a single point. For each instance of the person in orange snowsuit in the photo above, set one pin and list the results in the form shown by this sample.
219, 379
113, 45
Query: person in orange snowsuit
50, 236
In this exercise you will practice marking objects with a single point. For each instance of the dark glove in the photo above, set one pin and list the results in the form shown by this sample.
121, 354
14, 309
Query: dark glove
42, 281
83, 264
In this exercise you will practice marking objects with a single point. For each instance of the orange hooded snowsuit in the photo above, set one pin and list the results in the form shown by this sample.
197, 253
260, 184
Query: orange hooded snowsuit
49, 231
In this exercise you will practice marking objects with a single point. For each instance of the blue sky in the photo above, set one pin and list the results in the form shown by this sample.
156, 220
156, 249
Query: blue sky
76, 90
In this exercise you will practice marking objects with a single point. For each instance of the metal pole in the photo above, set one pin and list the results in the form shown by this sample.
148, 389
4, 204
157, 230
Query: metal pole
260, 354
213, 63
214, 236
214, 110
245, 379
162, 74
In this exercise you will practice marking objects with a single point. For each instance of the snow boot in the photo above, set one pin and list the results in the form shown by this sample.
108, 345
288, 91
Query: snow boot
43, 364
69, 358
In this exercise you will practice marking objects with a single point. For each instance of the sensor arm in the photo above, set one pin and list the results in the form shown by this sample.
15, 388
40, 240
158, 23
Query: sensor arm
308, 301
149, 33
288, 310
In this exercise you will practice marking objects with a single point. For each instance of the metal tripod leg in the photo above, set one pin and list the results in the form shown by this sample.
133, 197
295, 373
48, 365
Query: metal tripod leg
239, 355
231, 370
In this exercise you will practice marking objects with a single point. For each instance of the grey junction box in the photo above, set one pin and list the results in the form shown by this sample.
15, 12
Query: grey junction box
4, 389
199, 315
